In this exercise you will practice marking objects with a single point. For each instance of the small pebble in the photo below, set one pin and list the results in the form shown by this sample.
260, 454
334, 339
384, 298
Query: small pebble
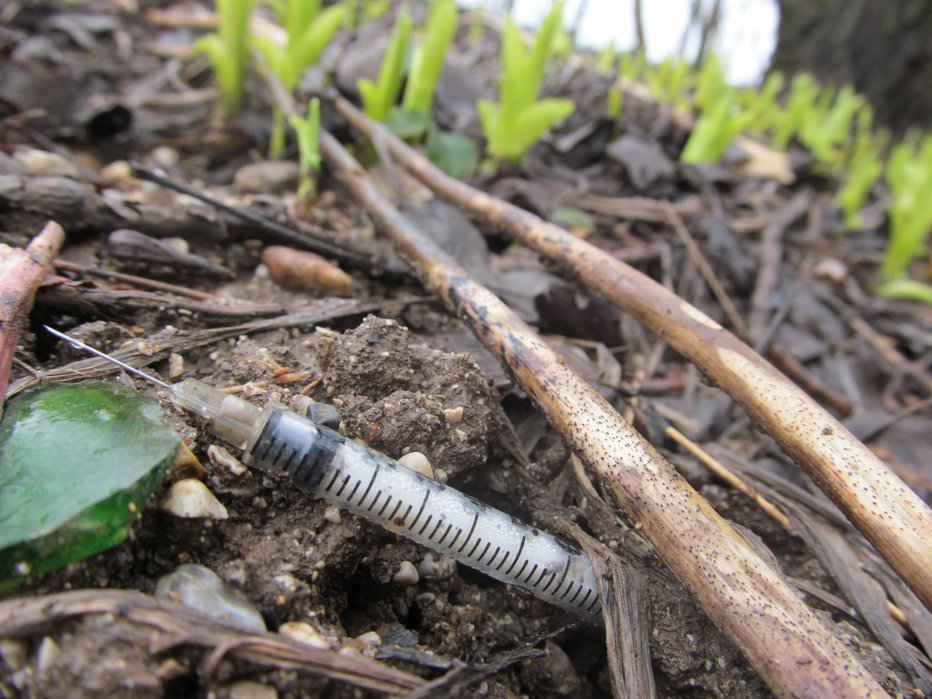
247, 689
454, 416
14, 652
45, 656
267, 176
831, 269
300, 270
440, 475
117, 172
303, 633
222, 458
39, 162
186, 465
190, 498
164, 156
406, 574
368, 643
199, 588
436, 569
417, 461
332, 514
175, 365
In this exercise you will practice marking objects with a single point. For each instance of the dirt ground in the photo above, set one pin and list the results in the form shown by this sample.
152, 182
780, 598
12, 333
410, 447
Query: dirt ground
98, 84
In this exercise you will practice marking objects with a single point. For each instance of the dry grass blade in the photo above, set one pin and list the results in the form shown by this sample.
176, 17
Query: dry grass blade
890, 515
783, 639
162, 625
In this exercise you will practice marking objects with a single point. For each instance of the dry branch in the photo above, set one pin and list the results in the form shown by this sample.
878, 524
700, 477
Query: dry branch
162, 625
890, 515
21, 272
791, 649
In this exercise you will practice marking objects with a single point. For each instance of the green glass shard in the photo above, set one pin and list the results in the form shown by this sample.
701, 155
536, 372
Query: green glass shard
76, 463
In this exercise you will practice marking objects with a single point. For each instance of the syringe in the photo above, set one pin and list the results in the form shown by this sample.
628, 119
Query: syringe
359, 479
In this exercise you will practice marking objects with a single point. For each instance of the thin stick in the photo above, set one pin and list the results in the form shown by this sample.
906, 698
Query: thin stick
890, 515
727, 475
783, 639
286, 234
21, 272
143, 282
708, 274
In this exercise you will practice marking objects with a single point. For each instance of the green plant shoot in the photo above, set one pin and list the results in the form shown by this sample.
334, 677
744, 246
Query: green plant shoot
378, 98
605, 63
864, 167
761, 106
909, 177
309, 31
614, 103
228, 51
715, 130
710, 82
307, 132
514, 125
427, 60
803, 94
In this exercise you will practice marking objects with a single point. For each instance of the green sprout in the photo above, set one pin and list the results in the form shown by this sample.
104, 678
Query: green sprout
804, 92
309, 30
427, 60
863, 168
378, 98
228, 51
761, 106
632, 65
605, 63
669, 81
710, 82
514, 125
307, 132
718, 126
829, 128
614, 103
909, 178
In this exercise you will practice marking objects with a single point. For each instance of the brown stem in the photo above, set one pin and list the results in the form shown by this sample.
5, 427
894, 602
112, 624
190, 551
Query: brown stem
790, 648
21, 272
892, 517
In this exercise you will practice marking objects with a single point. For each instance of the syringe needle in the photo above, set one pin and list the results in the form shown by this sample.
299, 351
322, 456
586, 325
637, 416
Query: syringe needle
87, 348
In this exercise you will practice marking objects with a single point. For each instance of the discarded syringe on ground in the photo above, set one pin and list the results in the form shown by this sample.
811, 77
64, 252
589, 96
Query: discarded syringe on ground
321, 461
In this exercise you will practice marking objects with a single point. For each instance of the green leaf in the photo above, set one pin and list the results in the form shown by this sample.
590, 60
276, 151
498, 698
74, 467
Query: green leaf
378, 98
428, 59
76, 463
907, 289
305, 49
408, 124
453, 153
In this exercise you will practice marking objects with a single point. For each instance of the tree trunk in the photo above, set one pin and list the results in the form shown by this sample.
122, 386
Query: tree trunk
882, 48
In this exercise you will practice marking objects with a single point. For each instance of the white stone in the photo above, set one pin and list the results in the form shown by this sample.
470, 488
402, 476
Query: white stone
417, 461
332, 514
406, 574
436, 568
190, 498
454, 416
303, 633
246, 689
222, 458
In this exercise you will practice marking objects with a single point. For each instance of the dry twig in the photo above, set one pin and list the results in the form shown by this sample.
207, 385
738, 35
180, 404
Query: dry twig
21, 273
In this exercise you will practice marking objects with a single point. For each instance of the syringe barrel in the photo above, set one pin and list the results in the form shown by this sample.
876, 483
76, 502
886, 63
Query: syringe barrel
378, 488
